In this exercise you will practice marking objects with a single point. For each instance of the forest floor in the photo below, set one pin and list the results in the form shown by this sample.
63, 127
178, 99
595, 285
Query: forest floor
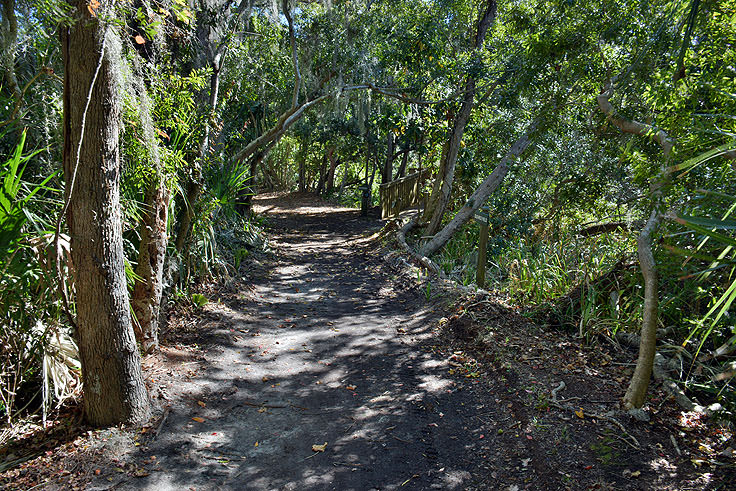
328, 365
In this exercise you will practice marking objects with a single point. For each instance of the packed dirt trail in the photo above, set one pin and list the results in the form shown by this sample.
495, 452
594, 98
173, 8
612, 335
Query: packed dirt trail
327, 366
323, 350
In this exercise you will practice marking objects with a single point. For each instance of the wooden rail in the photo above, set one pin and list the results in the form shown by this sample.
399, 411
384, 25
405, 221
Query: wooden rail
402, 193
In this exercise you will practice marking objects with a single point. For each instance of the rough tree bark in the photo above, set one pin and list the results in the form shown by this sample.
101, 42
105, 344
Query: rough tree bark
114, 391
480, 195
8, 41
637, 391
440, 202
148, 288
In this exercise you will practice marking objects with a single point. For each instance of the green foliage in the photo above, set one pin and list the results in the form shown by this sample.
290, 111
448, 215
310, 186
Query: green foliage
199, 300
29, 330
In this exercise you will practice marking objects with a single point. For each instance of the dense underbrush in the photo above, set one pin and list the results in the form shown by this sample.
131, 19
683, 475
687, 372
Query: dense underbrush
592, 286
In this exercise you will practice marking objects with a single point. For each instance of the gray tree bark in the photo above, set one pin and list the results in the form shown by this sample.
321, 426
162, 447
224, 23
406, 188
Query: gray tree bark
148, 289
480, 195
114, 390
440, 202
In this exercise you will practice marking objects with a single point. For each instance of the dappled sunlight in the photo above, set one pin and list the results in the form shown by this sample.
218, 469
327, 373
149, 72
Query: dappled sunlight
322, 350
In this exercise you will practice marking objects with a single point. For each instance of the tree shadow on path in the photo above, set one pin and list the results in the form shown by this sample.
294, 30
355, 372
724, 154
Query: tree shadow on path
329, 347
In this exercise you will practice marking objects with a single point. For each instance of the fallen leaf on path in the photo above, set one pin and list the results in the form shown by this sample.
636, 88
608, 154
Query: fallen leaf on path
319, 448
202, 404
264, 379
351, 387
255, 444
580, 414
198, 419
262, 409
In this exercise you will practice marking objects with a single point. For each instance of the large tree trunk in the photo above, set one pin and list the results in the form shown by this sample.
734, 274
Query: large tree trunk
148, 288
114, 391
486, 18
480, 195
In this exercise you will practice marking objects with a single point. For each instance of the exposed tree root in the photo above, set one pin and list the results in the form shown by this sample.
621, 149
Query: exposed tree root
423, 260
626, 437
661, 374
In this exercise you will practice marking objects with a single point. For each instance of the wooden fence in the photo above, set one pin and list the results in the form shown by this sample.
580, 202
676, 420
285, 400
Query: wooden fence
402, 193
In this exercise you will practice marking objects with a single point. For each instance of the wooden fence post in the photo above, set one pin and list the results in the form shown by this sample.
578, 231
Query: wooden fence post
481, 216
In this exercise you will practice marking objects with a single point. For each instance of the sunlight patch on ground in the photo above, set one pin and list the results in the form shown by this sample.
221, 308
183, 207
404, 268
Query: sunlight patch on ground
433, 383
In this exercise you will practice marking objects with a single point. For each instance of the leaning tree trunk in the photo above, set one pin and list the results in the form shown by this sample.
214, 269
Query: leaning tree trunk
436, 186
440, 202
148, 289
453, 148
402, 167
480, 195
114, 391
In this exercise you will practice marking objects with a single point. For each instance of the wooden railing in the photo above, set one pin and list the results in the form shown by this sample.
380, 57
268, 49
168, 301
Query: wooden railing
402, 193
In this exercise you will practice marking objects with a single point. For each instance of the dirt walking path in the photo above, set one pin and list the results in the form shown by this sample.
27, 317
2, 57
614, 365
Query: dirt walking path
326, 370
324, 350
